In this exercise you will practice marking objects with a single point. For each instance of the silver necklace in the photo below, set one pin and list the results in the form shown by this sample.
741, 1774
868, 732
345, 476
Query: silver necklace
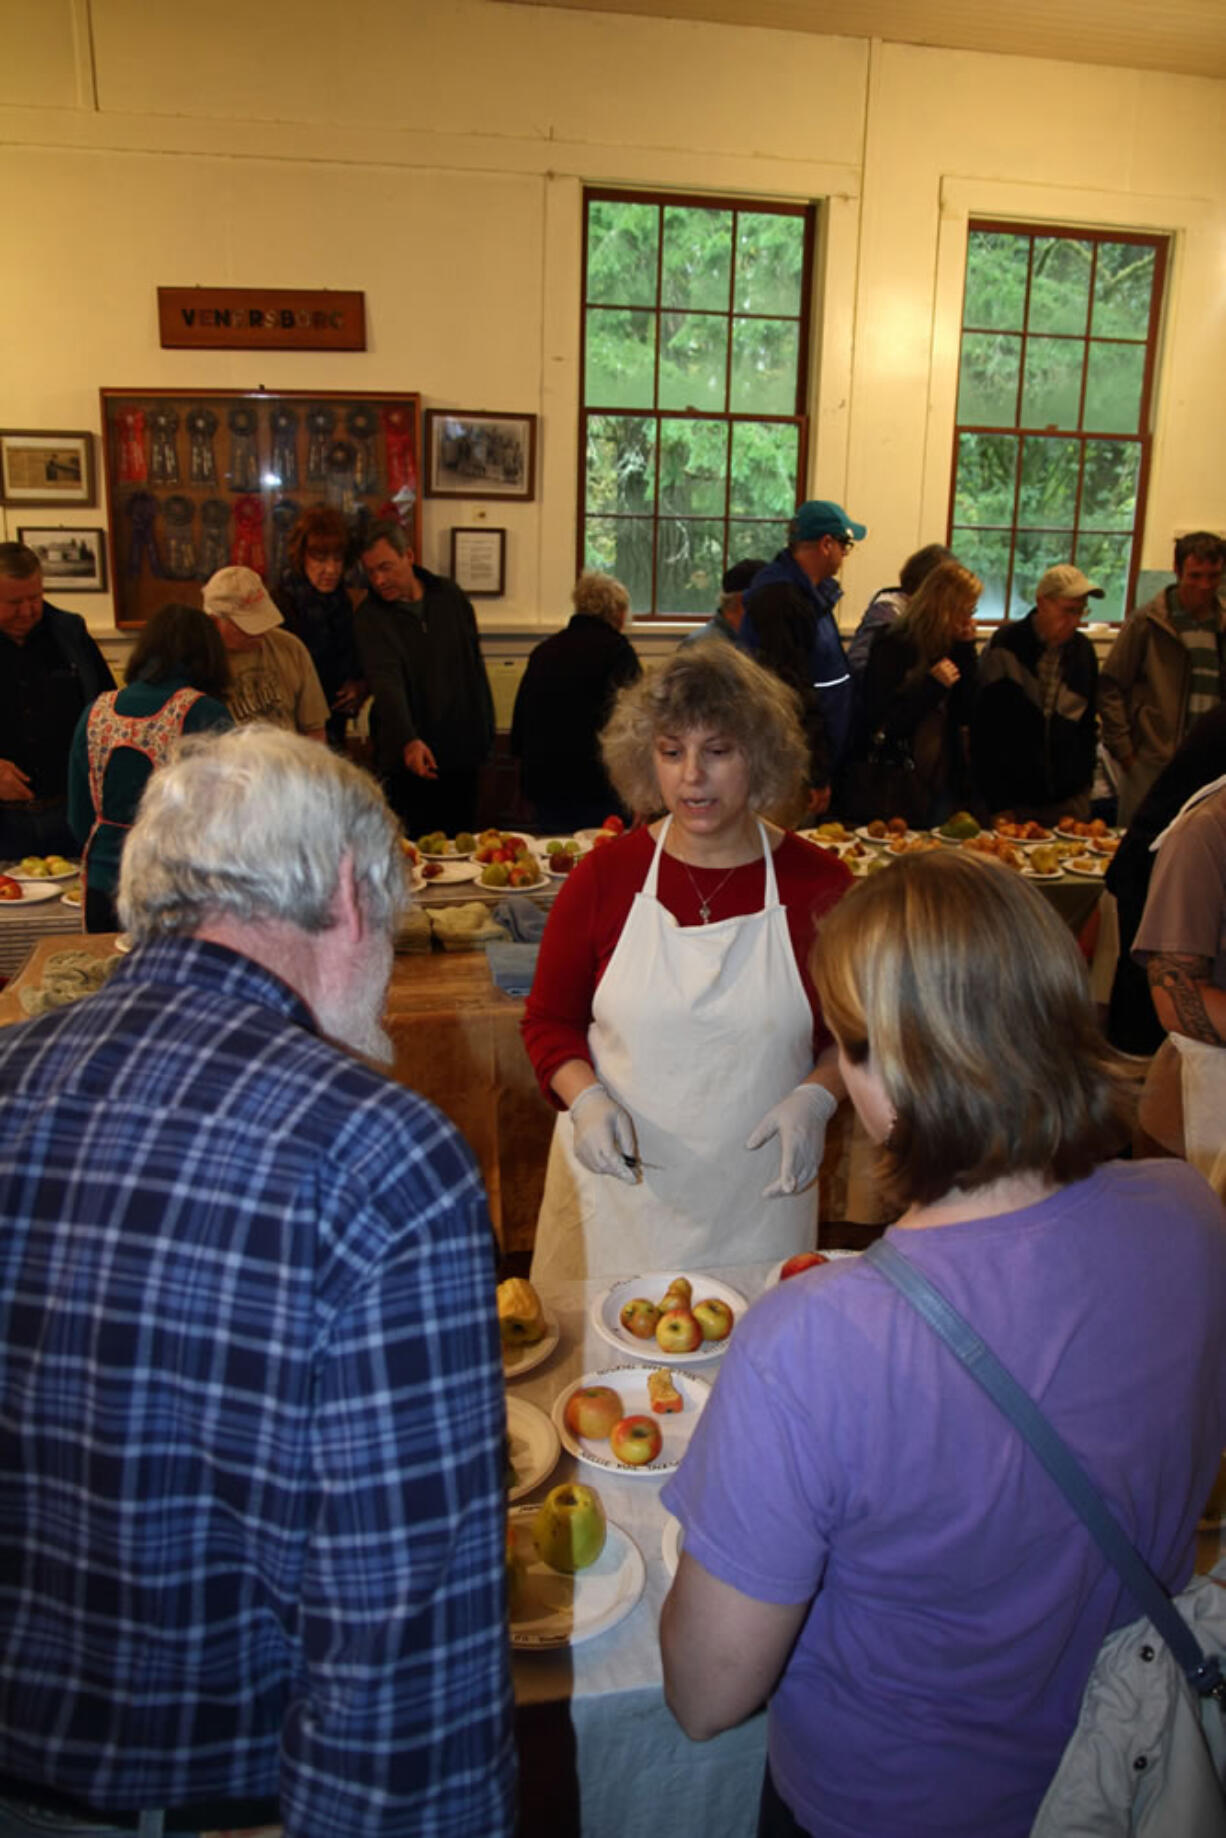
704, 905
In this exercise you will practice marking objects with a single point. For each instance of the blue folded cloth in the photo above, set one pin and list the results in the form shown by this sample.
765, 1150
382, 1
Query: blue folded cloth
512, 967
522, 917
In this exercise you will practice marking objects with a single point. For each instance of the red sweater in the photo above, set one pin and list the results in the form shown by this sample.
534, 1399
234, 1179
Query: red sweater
594, 902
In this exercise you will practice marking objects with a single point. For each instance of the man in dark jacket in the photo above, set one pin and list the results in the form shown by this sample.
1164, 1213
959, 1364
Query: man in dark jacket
563, 702
50, 669
1034, 728
789, 626
433, 718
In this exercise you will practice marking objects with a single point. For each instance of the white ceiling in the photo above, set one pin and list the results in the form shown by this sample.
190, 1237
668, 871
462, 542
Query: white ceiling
1186, 36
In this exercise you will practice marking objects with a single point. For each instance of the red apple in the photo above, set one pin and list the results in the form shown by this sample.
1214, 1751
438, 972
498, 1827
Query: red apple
636, 1440
9, 888
803, 1260
639, 1317
614, 825
678, 1332
592, 1411
714, 1317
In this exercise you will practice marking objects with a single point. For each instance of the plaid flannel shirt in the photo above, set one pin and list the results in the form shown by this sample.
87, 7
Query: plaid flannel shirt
251, 1418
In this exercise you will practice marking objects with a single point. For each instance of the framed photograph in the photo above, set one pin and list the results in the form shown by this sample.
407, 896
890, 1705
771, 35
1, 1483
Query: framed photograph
479, 455
479, 561
38, 467
73, 561
199, 479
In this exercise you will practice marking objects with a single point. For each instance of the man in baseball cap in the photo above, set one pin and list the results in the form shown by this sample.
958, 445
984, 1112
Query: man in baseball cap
272, 676
1034, 732
790, 627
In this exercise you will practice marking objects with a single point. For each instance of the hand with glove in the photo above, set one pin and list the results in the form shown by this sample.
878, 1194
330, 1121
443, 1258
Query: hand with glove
603, 1134
799, 1121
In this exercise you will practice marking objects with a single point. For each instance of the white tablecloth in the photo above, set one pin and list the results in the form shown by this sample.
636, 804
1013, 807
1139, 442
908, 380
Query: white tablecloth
637, 1772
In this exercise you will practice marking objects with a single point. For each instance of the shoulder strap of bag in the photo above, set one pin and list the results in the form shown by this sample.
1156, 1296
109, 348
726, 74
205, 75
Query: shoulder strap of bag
1204, 1673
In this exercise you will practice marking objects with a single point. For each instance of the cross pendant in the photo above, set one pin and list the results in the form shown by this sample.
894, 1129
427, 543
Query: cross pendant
704, 913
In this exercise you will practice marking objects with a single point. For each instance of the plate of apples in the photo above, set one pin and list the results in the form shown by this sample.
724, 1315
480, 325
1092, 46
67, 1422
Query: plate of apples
630, 1420
572, 1572
668, 1316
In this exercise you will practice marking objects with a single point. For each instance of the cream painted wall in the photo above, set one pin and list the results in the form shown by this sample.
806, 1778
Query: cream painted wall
434, 157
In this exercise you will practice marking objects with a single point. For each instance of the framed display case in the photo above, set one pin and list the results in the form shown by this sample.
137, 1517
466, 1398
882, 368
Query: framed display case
197, 479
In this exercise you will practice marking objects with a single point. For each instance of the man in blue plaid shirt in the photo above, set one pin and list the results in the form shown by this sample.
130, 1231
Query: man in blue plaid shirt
251, 1406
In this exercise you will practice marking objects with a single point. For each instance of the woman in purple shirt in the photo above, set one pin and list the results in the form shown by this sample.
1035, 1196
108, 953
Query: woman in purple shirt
867, 1544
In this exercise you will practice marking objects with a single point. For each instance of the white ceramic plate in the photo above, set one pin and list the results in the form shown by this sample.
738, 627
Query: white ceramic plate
671, 1540
534, 1449
772, 1280
826, 842
459, 870
539, 845
1027, 842
449, 854
417, 880
630, 1384
32, 892
560, 1611
42, 880
528, 887
1092, 867
1034, 874
518, 1360
881, 841
1107, 846
589, 836
607, 1307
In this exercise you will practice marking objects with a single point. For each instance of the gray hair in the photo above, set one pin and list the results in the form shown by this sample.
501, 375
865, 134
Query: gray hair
388, 530
714, 685
602, 596
252, 825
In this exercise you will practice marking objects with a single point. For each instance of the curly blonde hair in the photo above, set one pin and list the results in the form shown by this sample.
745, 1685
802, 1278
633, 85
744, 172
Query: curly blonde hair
707, 685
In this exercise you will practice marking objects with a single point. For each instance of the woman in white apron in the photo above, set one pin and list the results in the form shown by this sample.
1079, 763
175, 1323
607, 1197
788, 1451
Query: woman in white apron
670, 1014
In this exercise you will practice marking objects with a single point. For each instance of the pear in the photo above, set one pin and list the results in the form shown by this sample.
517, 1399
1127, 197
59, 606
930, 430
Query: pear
569, 1527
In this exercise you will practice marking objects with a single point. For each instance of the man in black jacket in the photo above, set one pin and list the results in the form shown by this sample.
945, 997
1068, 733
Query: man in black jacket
50, 669
1034, 729
433, 718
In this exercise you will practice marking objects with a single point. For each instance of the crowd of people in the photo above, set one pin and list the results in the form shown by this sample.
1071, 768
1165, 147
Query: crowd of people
252, 1519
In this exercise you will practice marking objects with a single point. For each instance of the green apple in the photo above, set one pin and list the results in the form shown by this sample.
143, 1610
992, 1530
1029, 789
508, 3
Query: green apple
569, 1527
714, 1317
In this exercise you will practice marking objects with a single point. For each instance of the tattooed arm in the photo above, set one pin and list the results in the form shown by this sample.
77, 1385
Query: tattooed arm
1185, 1001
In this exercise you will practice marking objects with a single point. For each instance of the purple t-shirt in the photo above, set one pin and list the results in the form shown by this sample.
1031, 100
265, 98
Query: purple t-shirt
957, 1605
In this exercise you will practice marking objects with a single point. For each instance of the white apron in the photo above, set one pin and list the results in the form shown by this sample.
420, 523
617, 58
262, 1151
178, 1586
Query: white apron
696, 1031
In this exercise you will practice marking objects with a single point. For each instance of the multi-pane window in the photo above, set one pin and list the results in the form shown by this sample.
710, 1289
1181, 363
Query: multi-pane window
1059, 332
695, 357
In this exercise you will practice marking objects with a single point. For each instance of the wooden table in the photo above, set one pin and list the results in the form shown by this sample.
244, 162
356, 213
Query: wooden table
457, 1042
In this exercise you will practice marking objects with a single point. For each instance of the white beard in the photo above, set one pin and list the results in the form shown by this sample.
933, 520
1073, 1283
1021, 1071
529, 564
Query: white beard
356, 1024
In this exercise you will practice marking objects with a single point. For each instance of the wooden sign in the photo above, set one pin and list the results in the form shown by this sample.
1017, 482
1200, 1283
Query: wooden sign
261, 319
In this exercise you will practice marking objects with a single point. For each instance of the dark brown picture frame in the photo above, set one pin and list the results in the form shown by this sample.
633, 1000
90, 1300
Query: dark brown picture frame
30, 458
471, 453
64, 573
467, 577
198, 479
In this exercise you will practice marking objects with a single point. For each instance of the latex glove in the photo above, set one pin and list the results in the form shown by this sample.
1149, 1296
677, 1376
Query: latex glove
604, 1134
799, 1121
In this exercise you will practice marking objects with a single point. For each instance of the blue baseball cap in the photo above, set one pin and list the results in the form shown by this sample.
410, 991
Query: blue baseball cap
819, 517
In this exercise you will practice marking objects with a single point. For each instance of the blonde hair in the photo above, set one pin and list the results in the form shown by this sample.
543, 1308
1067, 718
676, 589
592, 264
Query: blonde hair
971, 998
711, 685
937, 608
602, 596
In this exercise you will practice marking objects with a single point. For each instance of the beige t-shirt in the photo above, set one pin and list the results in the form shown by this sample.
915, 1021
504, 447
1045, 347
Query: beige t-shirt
277, 682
